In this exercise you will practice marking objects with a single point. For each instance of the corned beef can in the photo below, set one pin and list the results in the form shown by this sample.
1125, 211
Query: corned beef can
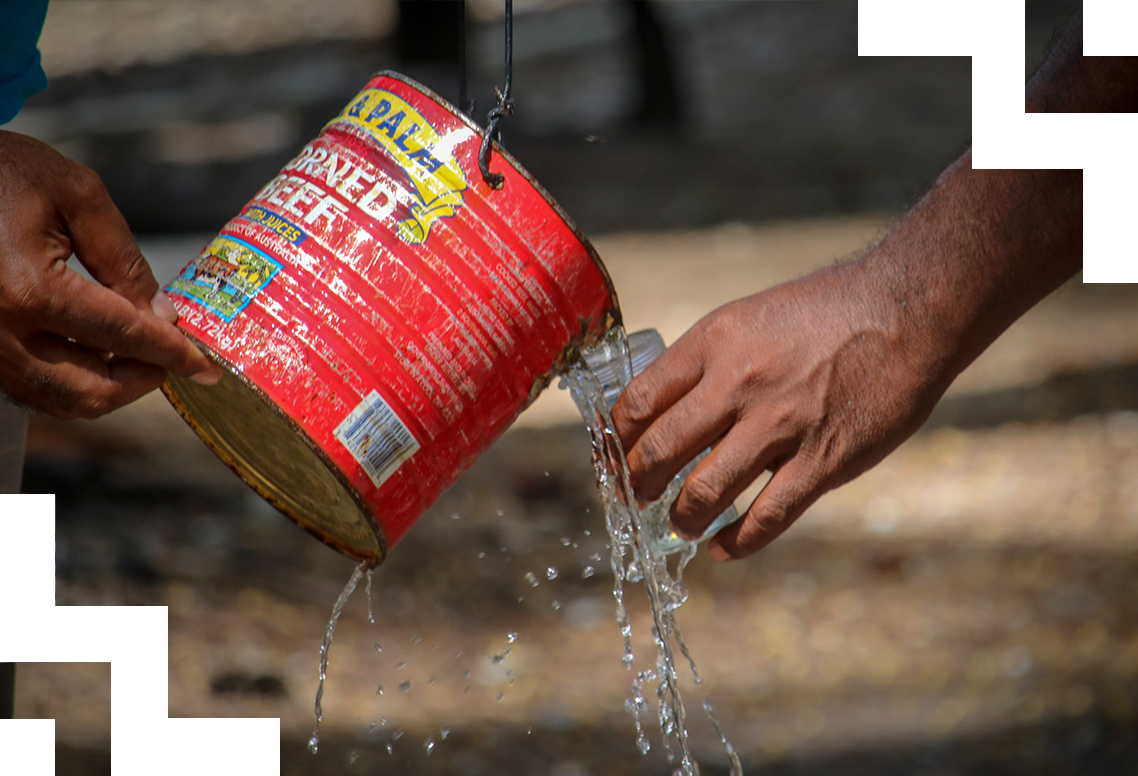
382, 315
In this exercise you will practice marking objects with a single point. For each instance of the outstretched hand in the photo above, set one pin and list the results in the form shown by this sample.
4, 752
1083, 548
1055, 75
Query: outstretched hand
811, 380
68, 346
819, 379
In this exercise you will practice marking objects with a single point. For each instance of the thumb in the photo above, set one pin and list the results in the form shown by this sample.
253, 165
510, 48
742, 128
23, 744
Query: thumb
782, 501
104, 245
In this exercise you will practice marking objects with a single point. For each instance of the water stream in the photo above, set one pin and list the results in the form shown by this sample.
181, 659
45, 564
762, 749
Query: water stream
337, 609
638, 556
642, 547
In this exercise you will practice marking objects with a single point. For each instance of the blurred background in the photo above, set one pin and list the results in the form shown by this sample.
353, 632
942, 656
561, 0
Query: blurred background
967, 607
78, 697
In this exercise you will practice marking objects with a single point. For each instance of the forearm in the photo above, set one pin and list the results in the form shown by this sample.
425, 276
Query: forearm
1068, 82
974, 255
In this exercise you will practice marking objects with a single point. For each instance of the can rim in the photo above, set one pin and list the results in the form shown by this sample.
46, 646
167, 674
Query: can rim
328, 539
614, 311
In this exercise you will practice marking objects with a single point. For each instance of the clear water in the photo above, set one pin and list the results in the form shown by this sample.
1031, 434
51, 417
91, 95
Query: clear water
640, 555
337, 609
641, 543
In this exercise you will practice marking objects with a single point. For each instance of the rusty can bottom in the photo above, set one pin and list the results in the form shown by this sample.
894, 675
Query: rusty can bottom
277, 459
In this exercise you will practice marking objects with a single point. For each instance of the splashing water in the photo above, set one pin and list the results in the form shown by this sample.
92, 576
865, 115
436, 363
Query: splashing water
638, 555
337, 609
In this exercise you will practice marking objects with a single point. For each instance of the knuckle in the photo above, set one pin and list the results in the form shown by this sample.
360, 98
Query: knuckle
136, 270
85, 181
756, 533
636, 402
650, 452
700, 493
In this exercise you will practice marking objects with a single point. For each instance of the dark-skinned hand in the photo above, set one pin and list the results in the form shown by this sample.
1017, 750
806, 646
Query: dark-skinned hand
71, 347
819, 379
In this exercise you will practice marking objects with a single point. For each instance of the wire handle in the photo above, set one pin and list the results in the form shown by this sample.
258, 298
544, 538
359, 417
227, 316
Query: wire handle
504, 107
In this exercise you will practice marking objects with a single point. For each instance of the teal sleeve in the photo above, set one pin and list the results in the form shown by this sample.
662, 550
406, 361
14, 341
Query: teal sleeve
21, 75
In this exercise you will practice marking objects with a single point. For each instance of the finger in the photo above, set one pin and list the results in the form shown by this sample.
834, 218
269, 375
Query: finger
682, 432
677, 370
104, 245
102, 320
790, 491
68, 381
729, 469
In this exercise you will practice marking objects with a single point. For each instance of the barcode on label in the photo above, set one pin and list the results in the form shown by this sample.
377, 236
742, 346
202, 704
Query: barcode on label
376, 438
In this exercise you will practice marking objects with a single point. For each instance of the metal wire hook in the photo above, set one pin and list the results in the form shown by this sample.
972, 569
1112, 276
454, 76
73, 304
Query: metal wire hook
504, 107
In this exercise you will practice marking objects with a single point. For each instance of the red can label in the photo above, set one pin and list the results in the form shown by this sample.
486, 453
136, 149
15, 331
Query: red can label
396, 307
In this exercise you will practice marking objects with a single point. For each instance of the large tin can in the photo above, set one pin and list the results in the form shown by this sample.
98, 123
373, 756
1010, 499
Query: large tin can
382, 316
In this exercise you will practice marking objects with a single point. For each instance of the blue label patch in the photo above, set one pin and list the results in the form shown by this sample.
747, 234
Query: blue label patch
226, 276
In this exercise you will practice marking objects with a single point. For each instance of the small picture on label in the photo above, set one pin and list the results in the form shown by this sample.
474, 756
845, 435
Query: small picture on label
225, 277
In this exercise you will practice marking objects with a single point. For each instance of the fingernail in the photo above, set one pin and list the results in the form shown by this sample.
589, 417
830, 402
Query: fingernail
717, 553
163, 307
207, 377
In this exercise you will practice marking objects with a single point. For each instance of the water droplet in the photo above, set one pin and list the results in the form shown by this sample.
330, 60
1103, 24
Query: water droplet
458, 654
468, 690
500, 696
352, 757
390, 750
500, 513
433, 680
575, 545
529, 577
371, 727
435, 647
405, 685
499, 659
588, 572
378, 648
314, 744
383, 721
400, 665
566, 541
398, 734
379, 690
529, 731
556, 605
416, 641
454, 516
595, 557
511, 637
551, 573
588, 532
481, 555
429, 746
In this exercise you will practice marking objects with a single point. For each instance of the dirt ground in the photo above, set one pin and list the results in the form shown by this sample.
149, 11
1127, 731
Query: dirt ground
78, 697
966, 607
